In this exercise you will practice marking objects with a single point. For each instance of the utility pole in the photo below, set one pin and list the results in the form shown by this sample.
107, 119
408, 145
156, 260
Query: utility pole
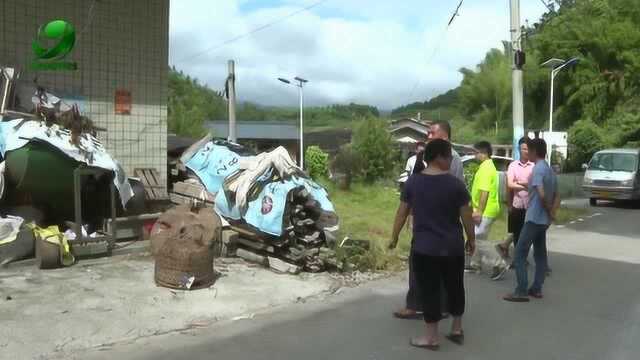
301, 94
231, 93
517, 61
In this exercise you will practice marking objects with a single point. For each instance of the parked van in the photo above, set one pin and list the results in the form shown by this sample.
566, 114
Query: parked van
613, 175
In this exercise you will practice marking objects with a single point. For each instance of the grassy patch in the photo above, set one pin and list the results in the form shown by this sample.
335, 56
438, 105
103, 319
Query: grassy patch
367, 213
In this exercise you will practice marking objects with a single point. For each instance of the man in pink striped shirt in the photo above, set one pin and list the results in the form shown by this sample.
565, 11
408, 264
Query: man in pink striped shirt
518, 176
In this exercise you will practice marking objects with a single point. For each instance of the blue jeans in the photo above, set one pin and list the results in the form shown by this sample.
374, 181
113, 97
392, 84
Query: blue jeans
536, 235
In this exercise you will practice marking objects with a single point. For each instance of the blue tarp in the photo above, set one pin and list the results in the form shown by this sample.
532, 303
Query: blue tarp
213, 163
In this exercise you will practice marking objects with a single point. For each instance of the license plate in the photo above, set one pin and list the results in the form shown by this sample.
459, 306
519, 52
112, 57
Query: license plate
602, 194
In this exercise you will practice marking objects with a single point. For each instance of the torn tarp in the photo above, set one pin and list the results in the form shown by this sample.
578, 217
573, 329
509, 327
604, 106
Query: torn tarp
15, 134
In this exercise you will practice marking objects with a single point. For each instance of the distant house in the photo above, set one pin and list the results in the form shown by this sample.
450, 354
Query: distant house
409, 130
260, 135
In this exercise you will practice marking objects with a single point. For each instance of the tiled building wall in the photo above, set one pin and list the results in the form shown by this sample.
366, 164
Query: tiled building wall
120, 44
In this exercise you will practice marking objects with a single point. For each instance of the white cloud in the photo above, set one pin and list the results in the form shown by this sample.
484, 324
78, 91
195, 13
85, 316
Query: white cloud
349, 50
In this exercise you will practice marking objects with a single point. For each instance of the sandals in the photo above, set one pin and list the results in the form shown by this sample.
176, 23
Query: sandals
404, 315
516, 298
456, 338
432, 347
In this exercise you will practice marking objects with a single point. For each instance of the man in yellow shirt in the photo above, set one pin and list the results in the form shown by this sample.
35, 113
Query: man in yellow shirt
486, 203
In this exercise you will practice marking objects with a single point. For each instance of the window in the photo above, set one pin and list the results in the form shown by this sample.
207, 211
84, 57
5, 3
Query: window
614, 162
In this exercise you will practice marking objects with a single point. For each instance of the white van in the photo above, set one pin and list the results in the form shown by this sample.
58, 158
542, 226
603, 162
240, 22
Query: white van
613, 175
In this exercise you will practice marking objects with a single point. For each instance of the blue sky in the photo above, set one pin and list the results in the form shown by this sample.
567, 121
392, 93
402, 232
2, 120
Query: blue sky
380, 52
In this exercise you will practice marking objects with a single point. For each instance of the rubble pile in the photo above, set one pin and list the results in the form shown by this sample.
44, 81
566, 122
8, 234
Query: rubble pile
283, 218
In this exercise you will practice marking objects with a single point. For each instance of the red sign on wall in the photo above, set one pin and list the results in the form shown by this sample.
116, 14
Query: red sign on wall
123, 102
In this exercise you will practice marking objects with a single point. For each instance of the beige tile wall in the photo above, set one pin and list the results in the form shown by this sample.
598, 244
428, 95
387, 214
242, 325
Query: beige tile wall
120, 44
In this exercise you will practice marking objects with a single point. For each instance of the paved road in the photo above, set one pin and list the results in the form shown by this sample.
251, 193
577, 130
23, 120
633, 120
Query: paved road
591, 311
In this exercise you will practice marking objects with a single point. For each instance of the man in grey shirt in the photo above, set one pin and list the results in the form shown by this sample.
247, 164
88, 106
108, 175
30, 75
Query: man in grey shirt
544, 201
438, 130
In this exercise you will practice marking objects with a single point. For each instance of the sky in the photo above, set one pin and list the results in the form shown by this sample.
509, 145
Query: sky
385, 53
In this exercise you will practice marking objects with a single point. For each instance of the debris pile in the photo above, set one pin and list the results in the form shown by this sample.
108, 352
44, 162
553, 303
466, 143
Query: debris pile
284, 219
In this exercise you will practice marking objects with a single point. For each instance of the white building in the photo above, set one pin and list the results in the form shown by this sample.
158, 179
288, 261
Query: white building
121, 52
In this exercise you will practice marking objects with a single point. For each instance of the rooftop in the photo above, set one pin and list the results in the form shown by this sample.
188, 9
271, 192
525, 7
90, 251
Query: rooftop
249, 130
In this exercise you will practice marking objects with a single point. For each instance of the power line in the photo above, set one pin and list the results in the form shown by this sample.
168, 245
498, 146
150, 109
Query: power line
255, 30
437, 47
549, 6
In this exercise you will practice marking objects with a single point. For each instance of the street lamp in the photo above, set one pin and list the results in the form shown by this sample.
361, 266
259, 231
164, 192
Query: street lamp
300, 85
556, 66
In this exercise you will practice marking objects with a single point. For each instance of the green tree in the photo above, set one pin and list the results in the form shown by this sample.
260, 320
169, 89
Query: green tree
585, 139
317, 162
190, 104
373, 144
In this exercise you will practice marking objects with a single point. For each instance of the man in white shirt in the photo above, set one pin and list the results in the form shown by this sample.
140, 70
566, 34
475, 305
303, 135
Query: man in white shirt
411, 163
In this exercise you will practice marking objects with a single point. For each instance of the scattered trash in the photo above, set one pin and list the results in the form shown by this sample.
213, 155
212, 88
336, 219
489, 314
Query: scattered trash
9, 298
187, 282
243, 317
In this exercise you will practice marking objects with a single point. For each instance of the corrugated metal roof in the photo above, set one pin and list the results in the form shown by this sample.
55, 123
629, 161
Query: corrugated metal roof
256, 130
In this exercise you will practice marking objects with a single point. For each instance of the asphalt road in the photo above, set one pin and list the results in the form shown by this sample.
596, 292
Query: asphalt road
591, 310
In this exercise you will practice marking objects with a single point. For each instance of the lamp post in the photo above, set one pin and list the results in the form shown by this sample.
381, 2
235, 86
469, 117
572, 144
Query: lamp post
300, 85
556, 66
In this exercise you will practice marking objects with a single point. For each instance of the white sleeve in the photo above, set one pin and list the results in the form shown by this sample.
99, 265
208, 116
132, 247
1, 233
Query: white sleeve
411, 163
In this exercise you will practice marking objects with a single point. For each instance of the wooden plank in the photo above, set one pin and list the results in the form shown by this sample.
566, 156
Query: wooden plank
150, 182
255, 245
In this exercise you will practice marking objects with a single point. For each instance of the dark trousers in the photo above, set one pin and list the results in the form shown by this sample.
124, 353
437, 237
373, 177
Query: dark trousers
433, 273
414, 300
516, 222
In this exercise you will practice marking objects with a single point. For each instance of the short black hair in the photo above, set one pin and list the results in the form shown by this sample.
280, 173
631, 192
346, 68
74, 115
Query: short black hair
539, 146
420, 144
444, 125
524, 140
484, 147
435, 148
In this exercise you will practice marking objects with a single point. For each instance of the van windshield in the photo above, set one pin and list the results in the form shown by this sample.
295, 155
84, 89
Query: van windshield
614, 162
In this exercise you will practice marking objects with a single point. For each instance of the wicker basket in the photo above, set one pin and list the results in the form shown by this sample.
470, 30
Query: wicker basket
184, 260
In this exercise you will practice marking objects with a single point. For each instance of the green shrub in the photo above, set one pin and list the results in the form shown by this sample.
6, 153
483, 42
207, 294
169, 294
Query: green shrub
346, 163
317, 162
374, 146
585, 139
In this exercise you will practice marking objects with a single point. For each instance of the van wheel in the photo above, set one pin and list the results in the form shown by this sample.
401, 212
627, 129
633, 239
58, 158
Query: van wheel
593, 202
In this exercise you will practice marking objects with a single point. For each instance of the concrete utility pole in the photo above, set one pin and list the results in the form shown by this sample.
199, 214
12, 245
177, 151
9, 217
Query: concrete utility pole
231, 88
517, 82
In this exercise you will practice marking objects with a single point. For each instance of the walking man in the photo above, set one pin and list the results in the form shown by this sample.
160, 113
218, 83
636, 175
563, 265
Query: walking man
486, 208
413, 305
544, 201
518, 176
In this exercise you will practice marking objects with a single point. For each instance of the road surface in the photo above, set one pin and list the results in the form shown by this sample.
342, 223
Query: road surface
591, 310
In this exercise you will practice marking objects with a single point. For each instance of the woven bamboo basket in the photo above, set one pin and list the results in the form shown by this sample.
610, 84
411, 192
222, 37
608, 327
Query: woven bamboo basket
185, 259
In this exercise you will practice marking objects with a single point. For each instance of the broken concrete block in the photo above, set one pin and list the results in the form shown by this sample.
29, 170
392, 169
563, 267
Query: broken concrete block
283, 267
252, 257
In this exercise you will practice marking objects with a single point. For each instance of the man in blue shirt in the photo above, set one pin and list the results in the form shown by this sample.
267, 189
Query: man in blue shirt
543, 204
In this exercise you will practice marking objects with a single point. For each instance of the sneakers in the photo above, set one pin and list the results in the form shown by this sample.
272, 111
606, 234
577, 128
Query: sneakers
470, 269
498, 272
